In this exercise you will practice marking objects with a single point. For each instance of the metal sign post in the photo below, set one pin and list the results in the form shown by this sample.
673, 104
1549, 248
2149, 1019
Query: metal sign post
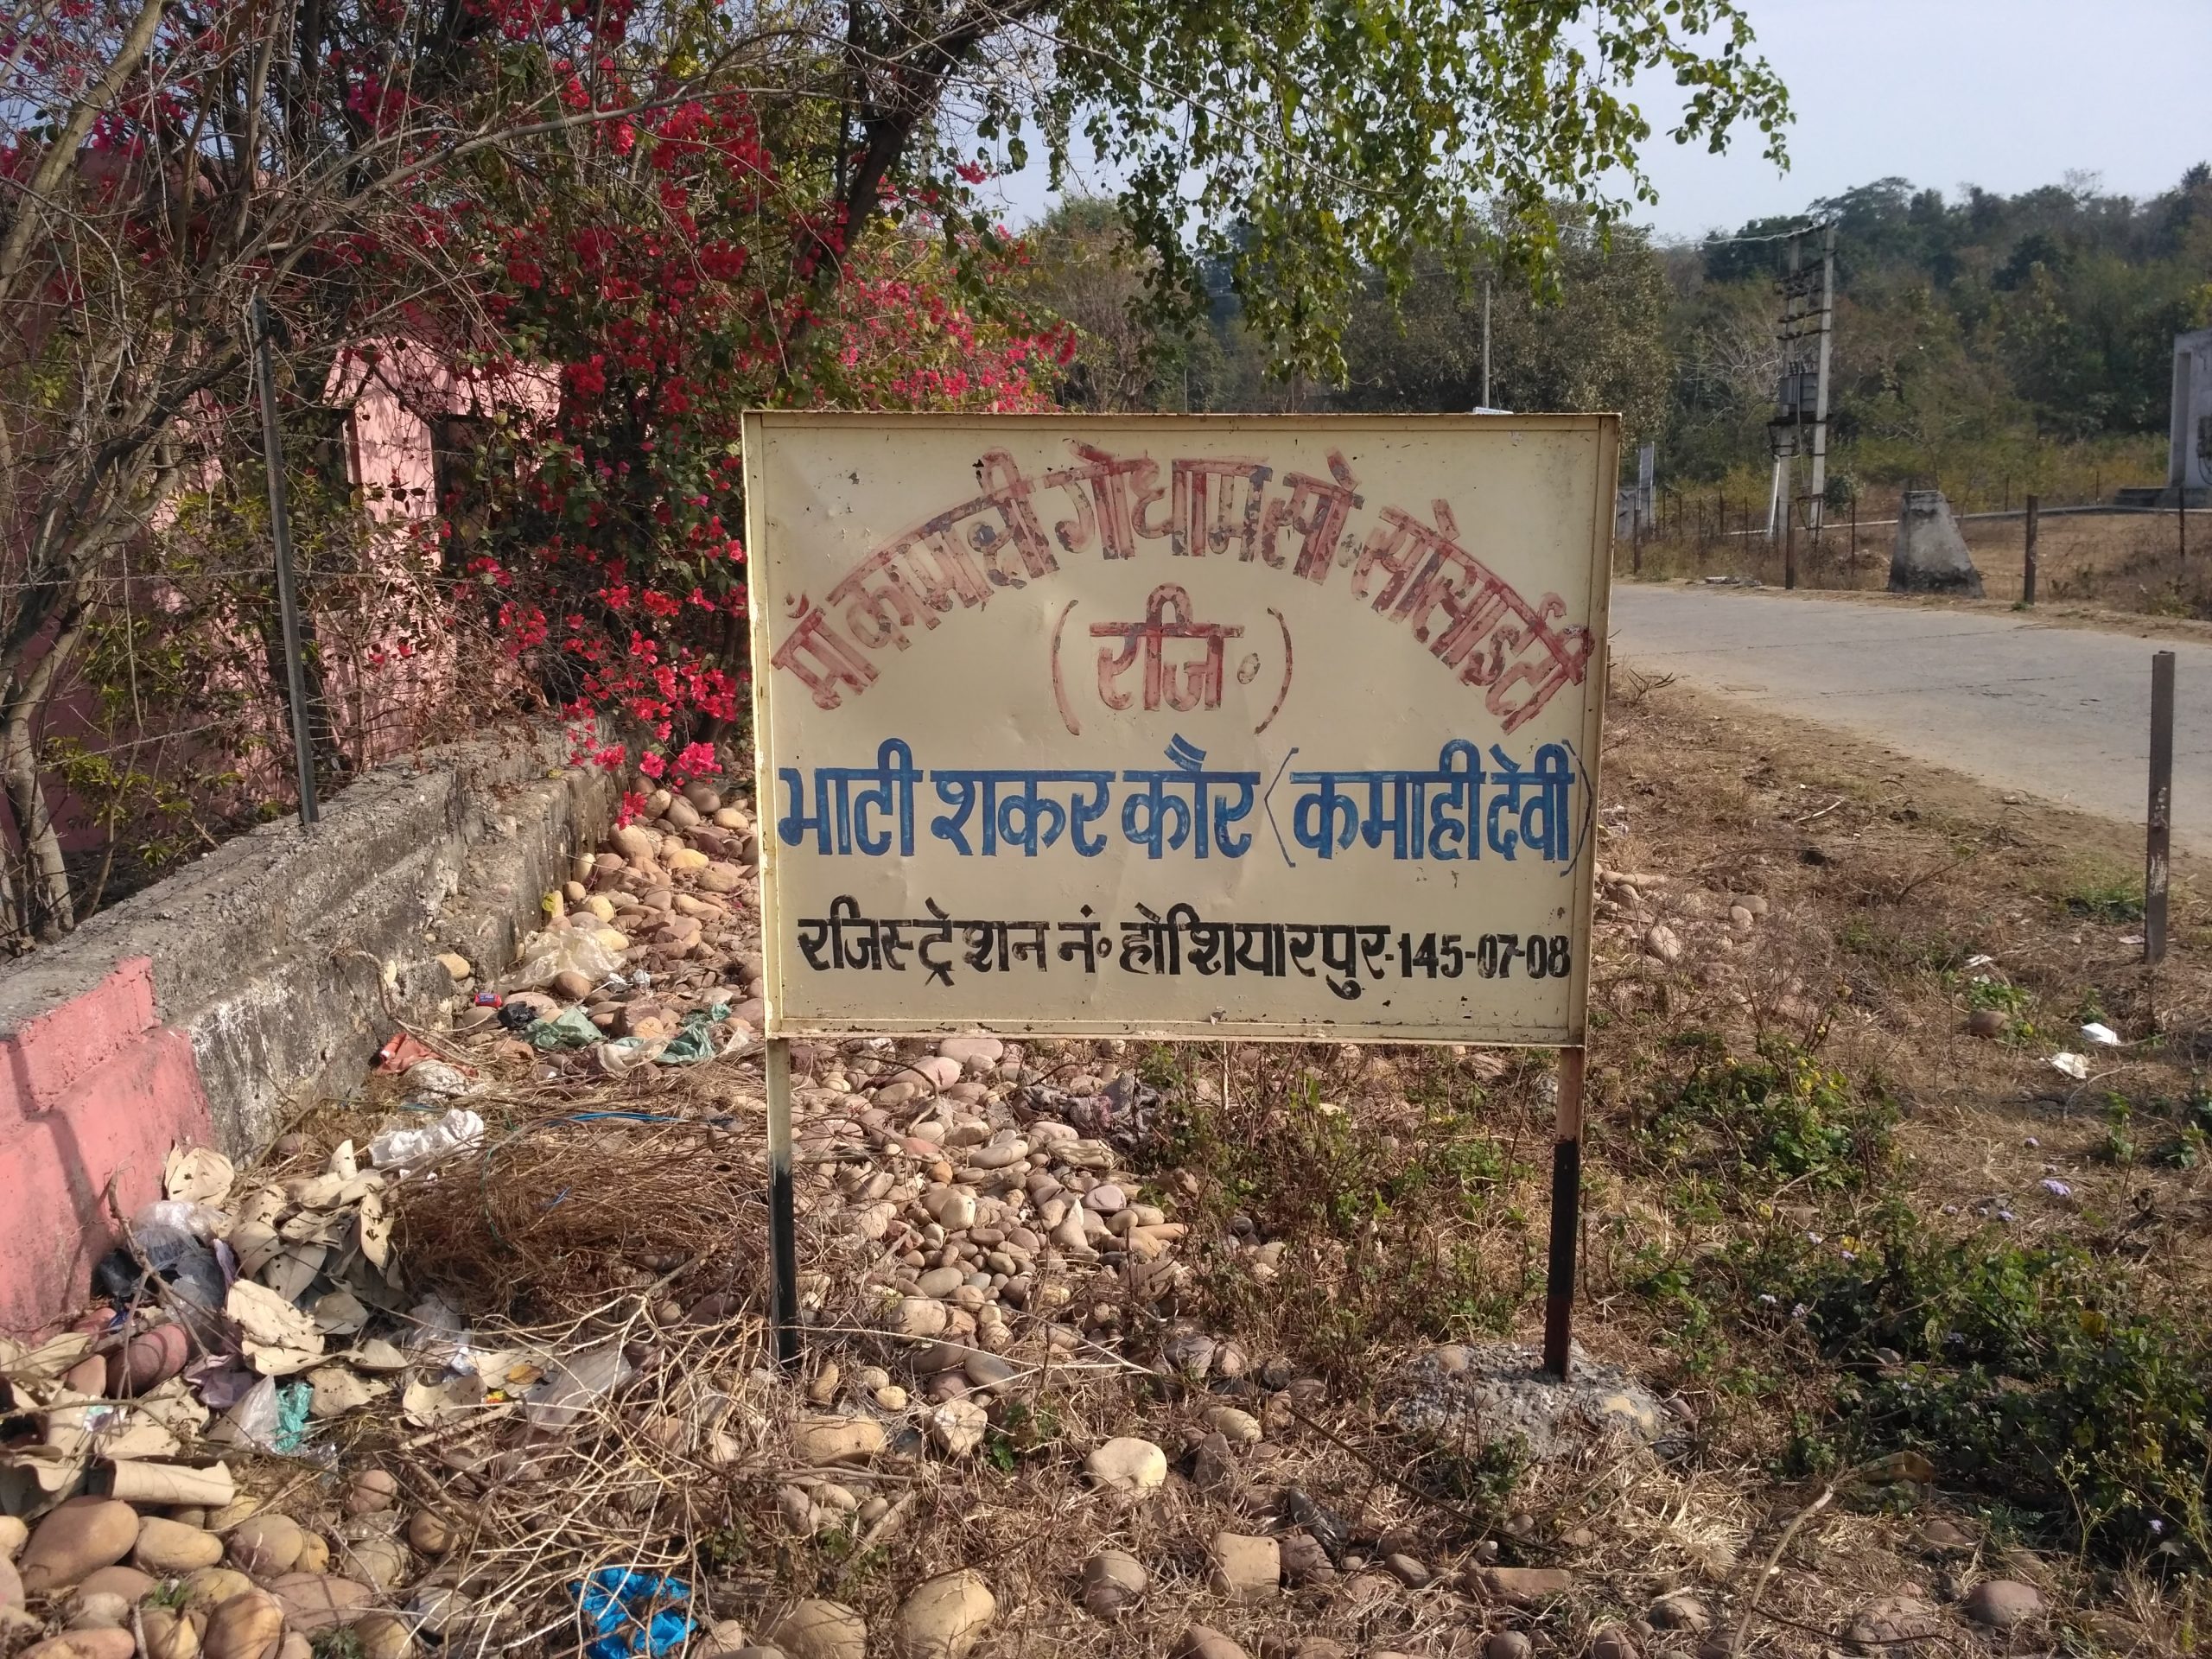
1172, 728
2158, 831
1566, 1214
783, 1230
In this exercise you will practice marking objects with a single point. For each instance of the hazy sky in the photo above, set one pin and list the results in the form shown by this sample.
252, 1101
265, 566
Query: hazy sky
2007, 94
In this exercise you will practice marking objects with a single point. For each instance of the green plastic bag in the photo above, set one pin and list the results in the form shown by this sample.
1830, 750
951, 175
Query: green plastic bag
693, 1042
569, 1028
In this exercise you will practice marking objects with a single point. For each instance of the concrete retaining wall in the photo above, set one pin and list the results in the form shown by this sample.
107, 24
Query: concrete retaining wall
206, 1008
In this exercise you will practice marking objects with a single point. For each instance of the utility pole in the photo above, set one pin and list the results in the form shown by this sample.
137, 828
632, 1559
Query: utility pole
1788, 545
1804, 333
1486, 403
1820, 383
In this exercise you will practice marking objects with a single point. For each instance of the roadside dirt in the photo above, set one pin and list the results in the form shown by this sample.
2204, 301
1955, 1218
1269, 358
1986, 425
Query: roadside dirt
1231, 1309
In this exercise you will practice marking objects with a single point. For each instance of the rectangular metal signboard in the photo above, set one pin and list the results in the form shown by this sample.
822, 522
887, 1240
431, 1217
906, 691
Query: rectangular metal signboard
1250, 726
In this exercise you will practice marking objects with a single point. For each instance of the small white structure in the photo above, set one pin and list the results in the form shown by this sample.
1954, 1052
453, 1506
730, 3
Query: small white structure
1931, 556
2189, 456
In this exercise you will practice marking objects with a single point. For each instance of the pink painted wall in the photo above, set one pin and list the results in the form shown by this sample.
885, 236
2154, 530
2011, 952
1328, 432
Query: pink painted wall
390, 662
94, 1093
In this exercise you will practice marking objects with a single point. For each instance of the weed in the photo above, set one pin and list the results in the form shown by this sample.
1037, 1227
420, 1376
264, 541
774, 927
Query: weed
2119, 1145
342, 1643
1026, 1430
1777, 1118
2186, 1150
1378, 1223
2107, 899
724, 1548
1482, 1477
2090, 1009
1900, 952
1161, 1067
1983, 992
2034, 1373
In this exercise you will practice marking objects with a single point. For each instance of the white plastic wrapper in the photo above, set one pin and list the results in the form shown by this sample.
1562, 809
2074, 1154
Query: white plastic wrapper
410, 1149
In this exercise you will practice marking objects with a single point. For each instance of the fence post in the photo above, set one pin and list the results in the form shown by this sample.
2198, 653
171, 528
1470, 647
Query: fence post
280, 531
2028, 555
2158, 833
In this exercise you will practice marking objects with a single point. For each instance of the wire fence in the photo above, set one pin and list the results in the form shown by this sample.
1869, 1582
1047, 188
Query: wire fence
170, 729
2154, 560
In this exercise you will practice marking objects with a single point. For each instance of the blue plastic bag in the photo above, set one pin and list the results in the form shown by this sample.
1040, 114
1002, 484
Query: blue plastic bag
636, 1614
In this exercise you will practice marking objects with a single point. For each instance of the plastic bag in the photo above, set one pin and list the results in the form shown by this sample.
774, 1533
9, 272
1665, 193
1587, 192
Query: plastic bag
201, 1221
574, 1383
635, 1613
557, 950
177, 1257
274, 1418
570, 1028
694, 1041
439, 1077
441, 1336
458, 1129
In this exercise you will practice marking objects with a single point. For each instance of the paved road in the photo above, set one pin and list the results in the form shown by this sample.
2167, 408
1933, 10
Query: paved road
2057, 712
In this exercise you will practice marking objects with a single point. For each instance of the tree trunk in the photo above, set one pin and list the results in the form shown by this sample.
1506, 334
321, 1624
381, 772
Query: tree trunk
47, 907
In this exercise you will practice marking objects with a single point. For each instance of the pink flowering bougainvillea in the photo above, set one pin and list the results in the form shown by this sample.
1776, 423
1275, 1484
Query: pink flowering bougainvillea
612, 557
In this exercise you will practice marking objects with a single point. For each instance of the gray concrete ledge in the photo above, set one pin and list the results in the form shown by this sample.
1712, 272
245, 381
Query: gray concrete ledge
277, 952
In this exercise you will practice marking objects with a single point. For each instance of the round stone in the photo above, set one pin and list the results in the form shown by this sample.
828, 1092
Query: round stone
1113, 1580
943, 1618
2003, 1604
1127, 1464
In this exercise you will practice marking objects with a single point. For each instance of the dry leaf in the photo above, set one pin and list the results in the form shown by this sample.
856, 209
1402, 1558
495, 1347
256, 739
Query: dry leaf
377, 1355
428, 1404
339, 1389
375, 1230
22, 1365
198, 1175
318, 1191
293, 1268
316, 1226
261, 1206
279, 1338
255, 1244
174, 1407
140, 1439
341, 1313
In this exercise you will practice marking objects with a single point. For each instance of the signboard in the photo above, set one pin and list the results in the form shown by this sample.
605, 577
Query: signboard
1215, 726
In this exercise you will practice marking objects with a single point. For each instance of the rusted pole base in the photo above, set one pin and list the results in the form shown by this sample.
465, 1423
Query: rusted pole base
783, 1232
1566, 1214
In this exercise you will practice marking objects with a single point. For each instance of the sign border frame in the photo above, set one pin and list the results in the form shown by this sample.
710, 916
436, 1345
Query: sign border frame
762, 602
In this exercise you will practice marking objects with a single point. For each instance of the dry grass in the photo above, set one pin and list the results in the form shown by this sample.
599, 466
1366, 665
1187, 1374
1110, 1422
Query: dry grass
557, 1214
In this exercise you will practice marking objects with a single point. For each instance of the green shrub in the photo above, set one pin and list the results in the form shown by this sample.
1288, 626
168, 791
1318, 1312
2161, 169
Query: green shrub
1777, 1118
2035, 1373
2107, 899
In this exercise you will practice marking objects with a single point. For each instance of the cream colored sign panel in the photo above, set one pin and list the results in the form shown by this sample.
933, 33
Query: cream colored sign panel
1257, 727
